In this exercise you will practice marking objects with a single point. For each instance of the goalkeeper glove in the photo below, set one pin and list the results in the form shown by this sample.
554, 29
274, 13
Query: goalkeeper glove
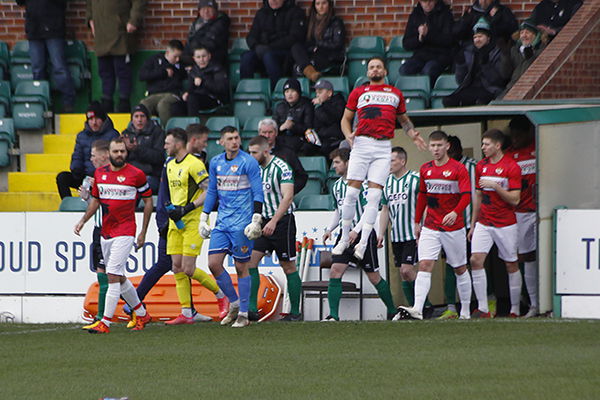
204, 228
177, 212
254, 229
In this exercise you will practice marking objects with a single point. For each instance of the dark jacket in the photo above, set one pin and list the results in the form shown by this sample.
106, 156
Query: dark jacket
213, 34
301, 113
300, 175
517, 62
327, 119
278, 29
333, 41
503, 23
555, 15
44, 19
154, 73
149, 155
110, 21
214, 84
481, 68
80, 160
437, 44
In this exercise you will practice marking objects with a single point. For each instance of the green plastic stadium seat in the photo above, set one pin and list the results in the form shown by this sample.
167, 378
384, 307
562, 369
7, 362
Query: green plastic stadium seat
393, 67
415, 86
7, 128
374, 45
215, 124
316, 202
72, 204
5, 145
181, 122
4, 60
278, 91
254, 86
213, 148
315, 167
32, 91
415, 103
4, 98
238, 47
77, 62
252, 98
251, 126
444, 86
313, 186
234, 73
20, 53
29, 105
340, 84
19, 73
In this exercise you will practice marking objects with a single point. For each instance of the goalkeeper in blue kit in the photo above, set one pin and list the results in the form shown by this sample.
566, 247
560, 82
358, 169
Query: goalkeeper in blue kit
234, 182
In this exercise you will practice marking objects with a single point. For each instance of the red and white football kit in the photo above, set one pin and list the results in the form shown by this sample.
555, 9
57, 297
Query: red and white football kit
497, 221
118, 192
525, 212
443, 189
377, 108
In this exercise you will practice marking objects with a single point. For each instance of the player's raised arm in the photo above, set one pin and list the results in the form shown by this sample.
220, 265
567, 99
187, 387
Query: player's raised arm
411, 132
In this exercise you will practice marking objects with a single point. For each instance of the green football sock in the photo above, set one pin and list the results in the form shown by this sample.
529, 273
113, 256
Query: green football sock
294, 290
103, 284
254, 285
383, 289
409, 291
334, 294
450, 285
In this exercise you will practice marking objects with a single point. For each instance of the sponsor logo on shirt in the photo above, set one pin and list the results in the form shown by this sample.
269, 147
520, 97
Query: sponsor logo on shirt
441, 186
232, 183
500, 180
378, 98
286, 175
527, 167
116, 192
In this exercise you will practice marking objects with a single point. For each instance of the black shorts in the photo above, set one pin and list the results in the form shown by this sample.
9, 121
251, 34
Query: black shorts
282, 241
97, 257
369, 263
405, 252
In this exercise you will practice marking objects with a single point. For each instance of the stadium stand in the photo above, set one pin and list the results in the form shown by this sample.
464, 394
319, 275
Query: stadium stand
252, 97
359, 51
444, 85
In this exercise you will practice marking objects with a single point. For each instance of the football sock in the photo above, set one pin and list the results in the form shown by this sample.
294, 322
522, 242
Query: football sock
244, 288
422, 286
334, 294
186, 312
531, 282
130, 296
463, 285
103, 287
112, 298
348, 210
153, 275
515, 283
408, 288
370, 214
294, 284
383, 290
450, 287
224, 282
205, 280
183, 289
255, 285
480, 288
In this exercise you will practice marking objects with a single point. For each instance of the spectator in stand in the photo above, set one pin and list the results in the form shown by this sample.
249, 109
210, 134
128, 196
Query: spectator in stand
210, 30
98, 126
325, 42
164, 78
478, 70
501, 18
114, 24
277, 26
208, 84
45, 29
530, 44
145, 142
268, 128
429, 35
329, 109
551, 15
294, 115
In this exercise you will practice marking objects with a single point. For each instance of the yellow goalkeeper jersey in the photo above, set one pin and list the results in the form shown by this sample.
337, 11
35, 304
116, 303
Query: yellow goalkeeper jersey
184, 178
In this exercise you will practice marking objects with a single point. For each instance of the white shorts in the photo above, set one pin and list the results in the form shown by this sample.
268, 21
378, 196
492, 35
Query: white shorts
454, 244
370, 159
505, 238
527, 226
115, 252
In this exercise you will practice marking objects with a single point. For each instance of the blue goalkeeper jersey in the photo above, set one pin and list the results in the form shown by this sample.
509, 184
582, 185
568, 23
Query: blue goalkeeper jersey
236, 184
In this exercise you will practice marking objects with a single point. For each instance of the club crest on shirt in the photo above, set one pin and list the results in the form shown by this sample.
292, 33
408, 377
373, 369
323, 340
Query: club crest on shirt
234, 168
446, 173
244, 249
121, 178
499, 170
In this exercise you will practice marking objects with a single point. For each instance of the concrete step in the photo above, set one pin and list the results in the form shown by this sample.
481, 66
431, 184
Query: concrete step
59, 144
32, 182
73, 123
29, 201
47, 162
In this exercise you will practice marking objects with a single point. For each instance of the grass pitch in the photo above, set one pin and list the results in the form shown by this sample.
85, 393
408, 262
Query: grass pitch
503, 359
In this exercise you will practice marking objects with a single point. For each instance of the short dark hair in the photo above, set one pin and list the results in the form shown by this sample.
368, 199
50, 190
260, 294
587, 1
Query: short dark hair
455, 145
438, 135
101, 145
196, 130
495, 135
117, 140
401, 152
343, 154
200, 47
377, 58
259, 141
175, 44
178, 134
228, 129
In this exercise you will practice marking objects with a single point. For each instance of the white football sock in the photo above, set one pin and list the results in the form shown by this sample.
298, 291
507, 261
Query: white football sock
349, 210
130, 296
422, 286
480, 288
531, 282
219, 294
186, 312
463, 285
515, 283
370, 214
112, 298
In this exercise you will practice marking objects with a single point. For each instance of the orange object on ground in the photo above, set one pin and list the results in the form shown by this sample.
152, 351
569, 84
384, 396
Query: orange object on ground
163, 304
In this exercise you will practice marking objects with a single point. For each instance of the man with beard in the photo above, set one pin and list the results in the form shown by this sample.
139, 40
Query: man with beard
116, 188
378, 106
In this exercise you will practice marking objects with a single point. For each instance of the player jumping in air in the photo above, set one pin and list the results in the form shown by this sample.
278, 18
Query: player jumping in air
378, 107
